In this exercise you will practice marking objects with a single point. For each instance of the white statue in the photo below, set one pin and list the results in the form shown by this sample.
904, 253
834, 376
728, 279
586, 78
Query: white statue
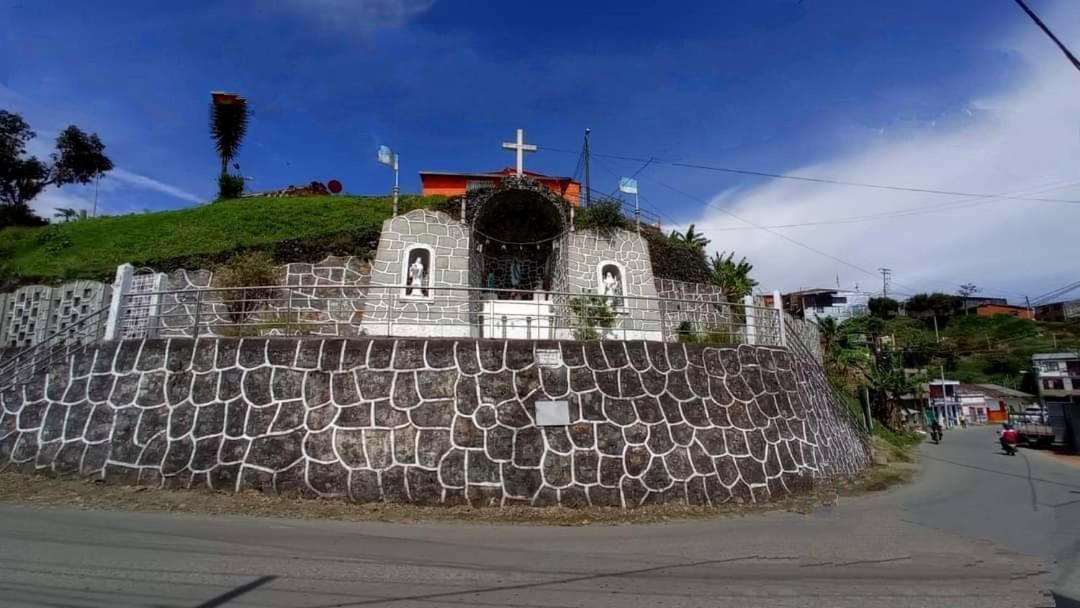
611, 287
416, 277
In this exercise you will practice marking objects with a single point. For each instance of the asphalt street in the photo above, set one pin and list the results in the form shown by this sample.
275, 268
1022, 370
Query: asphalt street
976, 529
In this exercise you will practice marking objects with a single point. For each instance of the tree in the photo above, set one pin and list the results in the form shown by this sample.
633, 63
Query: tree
694, 239
883, 308
966, 291
66, 213
888, 380
79, 159
929, 305
732, 277
228, 125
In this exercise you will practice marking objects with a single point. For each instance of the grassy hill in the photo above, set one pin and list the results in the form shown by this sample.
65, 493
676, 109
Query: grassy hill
977, 349
289, 228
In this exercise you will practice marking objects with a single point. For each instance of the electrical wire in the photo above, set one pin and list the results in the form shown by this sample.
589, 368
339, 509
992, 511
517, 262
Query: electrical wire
822, 180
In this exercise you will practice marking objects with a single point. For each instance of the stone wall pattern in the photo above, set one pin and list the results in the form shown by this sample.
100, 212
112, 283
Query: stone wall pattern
322, 299
700, 304
436, 421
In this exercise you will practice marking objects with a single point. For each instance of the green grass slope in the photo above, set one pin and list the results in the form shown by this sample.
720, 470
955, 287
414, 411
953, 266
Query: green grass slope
287, 227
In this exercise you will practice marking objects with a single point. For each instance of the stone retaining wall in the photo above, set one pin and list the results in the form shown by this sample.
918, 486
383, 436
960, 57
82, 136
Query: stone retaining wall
436, 421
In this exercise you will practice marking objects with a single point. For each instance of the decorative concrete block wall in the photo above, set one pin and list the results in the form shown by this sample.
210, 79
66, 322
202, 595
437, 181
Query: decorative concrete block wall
437, 421
587, 249
321, 299
35, 312
446, 312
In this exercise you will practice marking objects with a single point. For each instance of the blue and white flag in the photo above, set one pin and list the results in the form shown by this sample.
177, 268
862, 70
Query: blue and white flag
386, 156
628, 185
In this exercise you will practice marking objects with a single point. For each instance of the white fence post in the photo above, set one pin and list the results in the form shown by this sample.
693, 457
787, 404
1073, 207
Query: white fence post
154, 322
778, 304
121, 288
748, 310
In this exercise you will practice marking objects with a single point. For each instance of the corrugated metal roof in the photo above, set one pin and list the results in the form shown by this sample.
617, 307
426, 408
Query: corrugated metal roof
996, 390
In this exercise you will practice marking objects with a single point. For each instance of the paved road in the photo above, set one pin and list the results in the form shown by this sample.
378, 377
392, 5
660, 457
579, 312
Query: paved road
977, 529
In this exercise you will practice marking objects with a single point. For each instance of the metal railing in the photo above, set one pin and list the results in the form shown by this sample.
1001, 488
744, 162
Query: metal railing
54, 349
402, 311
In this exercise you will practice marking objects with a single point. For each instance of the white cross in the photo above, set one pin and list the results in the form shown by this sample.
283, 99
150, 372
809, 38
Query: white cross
521, 148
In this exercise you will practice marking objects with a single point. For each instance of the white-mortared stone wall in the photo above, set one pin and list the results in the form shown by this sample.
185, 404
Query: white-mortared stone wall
446, 312
437, 421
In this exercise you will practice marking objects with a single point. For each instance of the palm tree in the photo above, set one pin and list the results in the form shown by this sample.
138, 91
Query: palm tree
694, 239
732, 277
228, 125
66, 213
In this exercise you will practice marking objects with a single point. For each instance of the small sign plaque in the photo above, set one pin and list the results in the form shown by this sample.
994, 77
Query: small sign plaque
552, 413
548, 357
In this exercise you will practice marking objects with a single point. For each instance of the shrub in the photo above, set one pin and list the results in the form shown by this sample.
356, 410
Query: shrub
675, 259
230, 186
604, 216
590, 312
251, 269
713, 336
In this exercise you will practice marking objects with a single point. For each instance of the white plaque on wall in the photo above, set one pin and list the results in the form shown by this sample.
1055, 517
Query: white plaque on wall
552, 413
548, 357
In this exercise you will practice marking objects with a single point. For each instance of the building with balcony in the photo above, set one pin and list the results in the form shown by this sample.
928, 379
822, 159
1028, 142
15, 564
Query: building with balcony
1058, 377
943, 399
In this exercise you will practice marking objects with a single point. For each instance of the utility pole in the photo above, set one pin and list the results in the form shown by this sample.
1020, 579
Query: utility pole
588, 182
1030, 309
885, 274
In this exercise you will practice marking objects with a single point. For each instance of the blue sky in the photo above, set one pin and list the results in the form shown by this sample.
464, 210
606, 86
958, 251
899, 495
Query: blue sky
819, 87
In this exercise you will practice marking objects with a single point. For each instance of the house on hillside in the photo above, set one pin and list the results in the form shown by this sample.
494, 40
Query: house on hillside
816, 304
991, 310
443, 183
972, 302
1058, 311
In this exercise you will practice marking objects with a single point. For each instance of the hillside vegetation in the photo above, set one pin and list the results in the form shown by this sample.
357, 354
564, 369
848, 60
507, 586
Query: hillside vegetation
297, 229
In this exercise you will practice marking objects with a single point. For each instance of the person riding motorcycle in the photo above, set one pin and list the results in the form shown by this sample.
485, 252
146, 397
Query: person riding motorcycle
1009, 438
935, 430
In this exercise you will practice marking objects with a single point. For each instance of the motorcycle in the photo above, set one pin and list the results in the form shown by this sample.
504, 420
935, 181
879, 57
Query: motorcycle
1009, 447
935, 435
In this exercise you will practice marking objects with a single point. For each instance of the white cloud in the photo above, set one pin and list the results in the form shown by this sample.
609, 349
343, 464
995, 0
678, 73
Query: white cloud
1017, 142
149, 183
365, 16
46, 203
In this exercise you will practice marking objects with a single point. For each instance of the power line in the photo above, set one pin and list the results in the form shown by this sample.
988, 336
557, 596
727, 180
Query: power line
1046, 30
822, 180
898, 213
1054, 293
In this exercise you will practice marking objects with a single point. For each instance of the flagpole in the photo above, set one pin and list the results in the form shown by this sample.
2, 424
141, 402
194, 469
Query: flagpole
397, 189
637, 210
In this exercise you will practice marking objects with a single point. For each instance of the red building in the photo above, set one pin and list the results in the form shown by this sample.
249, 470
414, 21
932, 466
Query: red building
990, 310
453, 184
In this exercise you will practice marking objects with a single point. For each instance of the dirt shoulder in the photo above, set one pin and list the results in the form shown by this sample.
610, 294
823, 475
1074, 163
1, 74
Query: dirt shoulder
46, 491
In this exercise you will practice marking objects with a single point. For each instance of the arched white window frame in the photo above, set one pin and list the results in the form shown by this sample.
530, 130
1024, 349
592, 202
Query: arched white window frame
622, 281
415, 295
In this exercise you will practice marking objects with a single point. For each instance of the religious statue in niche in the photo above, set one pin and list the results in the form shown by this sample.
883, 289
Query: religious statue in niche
515, 277
416, 274
611, 280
